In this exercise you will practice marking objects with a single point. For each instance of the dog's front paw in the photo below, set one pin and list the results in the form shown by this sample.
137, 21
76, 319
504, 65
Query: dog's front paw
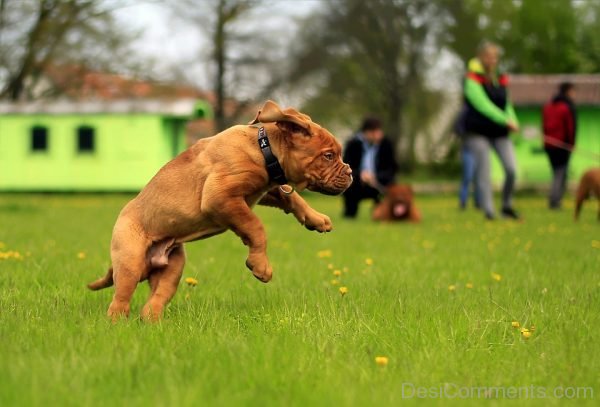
260, 267
314, 220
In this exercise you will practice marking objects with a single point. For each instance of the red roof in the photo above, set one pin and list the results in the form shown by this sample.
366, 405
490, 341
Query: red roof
79, 82
536, 90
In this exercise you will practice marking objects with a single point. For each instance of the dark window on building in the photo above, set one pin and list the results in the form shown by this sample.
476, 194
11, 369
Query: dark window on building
86, 142
39, 139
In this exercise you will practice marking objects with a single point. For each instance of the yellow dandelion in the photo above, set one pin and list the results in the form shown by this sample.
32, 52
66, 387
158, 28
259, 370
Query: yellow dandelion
343, 290
330, 266
515, 324
469, 285
451, 287
427, 244
525, 333
335, 282
369, 261
496, 276
81, 255
337, 273
324, 253
191, 281
345, 269
381, 360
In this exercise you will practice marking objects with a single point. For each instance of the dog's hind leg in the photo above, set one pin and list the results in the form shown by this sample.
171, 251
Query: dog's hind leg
130, 266
163, 284
580, 197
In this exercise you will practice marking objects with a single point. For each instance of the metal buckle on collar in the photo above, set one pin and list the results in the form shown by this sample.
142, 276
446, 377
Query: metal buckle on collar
287, 189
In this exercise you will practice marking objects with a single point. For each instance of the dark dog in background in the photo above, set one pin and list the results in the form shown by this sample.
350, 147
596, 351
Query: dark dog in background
588, 185
397, 205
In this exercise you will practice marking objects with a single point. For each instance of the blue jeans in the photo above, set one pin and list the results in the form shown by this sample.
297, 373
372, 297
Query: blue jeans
468, 177
479, 146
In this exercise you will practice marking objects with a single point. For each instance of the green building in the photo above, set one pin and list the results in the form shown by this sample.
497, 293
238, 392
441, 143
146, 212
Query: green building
529, 94
91, 146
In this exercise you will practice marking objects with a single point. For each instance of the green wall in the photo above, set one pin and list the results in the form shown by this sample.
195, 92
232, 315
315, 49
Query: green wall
532, 162
129, 149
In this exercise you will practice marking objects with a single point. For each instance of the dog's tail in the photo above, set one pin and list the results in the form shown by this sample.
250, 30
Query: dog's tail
102, 282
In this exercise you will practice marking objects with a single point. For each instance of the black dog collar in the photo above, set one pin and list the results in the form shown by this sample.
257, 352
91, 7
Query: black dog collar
275, 171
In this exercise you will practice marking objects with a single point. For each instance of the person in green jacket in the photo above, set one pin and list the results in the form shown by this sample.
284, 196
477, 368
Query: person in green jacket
489, 119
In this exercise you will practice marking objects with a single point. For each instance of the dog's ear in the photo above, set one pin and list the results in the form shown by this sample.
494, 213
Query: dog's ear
272, 113
291, 128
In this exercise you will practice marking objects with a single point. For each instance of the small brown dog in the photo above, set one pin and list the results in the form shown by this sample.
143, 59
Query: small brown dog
397, 205
588, 185
210, 188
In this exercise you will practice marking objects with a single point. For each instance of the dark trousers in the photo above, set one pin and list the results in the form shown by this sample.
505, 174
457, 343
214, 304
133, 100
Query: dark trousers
559, 160
356, 193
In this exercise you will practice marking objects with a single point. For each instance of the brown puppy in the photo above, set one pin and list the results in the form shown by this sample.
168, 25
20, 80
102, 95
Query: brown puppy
397, 205
588, 185
210, 188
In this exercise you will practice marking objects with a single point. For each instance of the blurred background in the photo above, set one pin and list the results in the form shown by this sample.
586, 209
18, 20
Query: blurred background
98, 94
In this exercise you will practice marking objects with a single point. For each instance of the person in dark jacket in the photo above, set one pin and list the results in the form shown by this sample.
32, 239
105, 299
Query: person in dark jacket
466, 155
371, 157
489, 119
559, 126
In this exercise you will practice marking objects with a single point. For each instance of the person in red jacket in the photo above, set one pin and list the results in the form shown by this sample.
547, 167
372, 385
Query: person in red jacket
560, 127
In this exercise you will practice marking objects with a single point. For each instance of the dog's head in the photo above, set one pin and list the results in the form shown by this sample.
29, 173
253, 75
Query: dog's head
400, 198
312, 157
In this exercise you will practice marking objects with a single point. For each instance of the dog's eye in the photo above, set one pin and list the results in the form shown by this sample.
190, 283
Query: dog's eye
328, 156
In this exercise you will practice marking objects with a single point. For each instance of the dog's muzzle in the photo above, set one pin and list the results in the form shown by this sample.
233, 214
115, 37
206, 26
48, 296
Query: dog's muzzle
336, 186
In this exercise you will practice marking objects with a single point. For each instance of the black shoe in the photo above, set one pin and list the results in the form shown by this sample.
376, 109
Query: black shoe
510, 213
490, 216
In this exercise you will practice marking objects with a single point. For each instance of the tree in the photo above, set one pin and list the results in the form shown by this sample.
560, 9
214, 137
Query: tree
34, 34
370, 56
381, 56
588, 40
538, 36
244, 54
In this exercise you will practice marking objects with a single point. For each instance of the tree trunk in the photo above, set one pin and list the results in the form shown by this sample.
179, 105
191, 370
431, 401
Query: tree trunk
15, 86
394, 119
220, 49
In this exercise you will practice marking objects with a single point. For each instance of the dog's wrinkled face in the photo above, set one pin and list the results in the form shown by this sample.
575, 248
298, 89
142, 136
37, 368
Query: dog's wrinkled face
313, 157
316, 159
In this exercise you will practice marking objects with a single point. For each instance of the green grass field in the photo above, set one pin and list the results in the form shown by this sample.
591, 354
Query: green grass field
438, 301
